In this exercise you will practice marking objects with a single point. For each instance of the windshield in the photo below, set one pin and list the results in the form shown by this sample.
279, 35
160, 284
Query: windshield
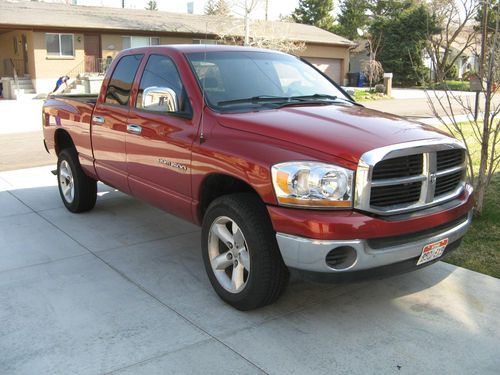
238, 81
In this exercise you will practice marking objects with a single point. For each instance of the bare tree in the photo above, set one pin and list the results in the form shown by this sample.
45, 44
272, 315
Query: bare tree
456, 35
261, 34
371, 68
486, 129
373, 71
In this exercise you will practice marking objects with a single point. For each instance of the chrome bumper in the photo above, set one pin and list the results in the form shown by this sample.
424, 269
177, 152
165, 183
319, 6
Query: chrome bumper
310, 255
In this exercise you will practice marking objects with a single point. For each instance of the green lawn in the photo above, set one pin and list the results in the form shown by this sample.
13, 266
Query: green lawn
480, 249
361, 95
452, 85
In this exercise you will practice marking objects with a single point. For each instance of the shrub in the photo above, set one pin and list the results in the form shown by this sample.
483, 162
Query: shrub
380, 88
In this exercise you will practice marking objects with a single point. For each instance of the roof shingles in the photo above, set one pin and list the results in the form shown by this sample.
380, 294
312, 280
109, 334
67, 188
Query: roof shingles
53, 15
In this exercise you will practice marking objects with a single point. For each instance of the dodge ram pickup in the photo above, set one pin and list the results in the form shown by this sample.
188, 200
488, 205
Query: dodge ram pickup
278, 165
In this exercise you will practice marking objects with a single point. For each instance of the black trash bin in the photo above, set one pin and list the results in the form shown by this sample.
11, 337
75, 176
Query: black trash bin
352, 79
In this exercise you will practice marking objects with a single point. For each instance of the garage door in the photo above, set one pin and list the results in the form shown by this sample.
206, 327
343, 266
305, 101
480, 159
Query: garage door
331, 67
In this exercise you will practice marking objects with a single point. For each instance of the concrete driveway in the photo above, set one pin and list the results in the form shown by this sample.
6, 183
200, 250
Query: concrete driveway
122, 289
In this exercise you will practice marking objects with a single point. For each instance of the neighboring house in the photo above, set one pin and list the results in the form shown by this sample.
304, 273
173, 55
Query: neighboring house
467, 61
45, 40
358, 55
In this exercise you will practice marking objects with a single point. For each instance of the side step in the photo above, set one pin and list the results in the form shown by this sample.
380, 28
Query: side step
54, 172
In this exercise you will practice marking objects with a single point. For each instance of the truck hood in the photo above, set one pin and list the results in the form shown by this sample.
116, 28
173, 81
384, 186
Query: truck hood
343, 131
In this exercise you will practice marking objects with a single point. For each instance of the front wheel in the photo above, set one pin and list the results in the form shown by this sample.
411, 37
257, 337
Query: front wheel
78, 191
240, 252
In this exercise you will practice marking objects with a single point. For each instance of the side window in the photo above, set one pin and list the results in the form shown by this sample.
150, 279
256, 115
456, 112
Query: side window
121, 81
161, 88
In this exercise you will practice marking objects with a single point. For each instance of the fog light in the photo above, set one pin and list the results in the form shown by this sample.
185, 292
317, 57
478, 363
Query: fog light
341, 257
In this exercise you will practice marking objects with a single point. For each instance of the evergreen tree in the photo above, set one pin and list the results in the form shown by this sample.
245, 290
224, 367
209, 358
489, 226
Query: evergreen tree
315, 12
152, 5
353, 16
403, 34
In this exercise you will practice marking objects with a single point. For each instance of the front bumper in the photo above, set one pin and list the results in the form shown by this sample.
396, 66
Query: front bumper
310, 255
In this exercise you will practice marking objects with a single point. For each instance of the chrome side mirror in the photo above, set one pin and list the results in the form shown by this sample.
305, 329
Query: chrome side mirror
160, 99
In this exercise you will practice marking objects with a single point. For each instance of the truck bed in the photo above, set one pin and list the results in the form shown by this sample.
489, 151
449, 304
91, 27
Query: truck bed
85, 98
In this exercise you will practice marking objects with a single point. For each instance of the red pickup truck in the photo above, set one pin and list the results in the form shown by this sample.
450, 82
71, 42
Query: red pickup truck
280, 167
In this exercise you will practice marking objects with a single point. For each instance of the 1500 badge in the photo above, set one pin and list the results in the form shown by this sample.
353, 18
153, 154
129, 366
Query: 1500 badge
172, 164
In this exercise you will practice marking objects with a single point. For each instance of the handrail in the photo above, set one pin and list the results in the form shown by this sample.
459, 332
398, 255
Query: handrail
14, 71
89, 65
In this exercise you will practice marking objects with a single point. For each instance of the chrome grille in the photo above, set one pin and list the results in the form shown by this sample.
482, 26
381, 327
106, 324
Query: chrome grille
449, 158
409, 176
384, 196
448, 183
404, 166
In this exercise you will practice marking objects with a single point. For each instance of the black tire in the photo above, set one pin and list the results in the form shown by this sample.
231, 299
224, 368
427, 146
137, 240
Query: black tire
85, 188
267, 276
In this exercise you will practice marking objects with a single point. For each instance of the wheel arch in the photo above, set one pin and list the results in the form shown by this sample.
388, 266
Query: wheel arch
216, 185
62, 140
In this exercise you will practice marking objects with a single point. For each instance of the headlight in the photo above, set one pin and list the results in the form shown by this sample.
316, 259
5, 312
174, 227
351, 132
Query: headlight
312, 184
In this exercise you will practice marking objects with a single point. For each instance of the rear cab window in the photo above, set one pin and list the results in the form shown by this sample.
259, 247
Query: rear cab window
120, 84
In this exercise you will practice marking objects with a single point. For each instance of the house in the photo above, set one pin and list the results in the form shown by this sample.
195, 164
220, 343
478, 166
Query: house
467, 59
43, 41
466, 62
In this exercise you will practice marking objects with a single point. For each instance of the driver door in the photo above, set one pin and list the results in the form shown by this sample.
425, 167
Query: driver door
160, 133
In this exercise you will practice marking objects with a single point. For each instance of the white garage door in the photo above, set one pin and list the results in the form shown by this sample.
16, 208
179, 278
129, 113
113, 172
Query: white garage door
331, 67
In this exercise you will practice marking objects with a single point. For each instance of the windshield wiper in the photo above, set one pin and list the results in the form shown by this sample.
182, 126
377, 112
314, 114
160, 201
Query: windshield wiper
283, 101
323, 97
315, 96
256, 100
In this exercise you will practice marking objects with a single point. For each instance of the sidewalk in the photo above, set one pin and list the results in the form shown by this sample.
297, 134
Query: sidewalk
122, 289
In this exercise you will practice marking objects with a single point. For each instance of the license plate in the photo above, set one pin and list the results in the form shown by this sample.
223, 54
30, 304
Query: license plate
432, 251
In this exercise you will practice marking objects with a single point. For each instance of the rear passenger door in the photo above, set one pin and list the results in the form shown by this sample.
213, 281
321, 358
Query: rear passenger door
160, 136
109, 124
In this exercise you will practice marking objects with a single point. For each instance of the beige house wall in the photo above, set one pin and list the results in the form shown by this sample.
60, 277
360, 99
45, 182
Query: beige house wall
112, 44
49, 68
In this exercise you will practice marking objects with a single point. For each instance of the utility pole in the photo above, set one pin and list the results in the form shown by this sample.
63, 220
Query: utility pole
247, 24
267, 7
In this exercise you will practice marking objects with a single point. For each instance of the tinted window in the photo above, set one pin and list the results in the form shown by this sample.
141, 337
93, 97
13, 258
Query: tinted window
161, 88
121, 80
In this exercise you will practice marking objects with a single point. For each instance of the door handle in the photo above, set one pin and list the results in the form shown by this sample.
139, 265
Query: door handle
98, 120
134, 129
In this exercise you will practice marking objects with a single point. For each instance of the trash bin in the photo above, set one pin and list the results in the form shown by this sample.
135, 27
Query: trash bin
361, 80
352, 79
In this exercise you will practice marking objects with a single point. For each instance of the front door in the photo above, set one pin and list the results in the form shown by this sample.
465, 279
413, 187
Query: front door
160, 138
92, 49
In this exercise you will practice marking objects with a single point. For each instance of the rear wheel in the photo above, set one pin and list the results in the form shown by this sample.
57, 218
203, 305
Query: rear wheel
78, 191
240, 252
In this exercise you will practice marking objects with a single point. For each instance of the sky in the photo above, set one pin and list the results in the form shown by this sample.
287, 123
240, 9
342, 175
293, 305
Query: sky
275, 7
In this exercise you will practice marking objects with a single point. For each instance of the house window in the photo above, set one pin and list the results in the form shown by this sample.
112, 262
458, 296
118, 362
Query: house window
139, 41
206, 41
59, 44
